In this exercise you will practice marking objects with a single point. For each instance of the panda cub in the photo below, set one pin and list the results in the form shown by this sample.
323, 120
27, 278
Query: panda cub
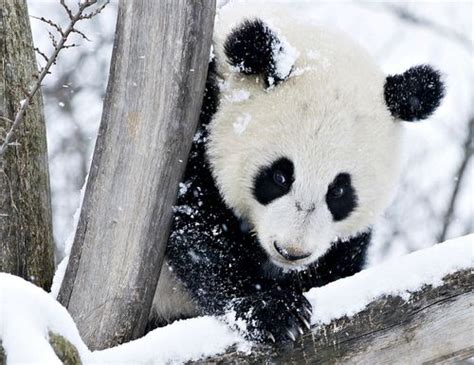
295, 158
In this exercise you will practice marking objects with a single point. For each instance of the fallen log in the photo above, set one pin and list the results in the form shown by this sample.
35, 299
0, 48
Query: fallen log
435, 325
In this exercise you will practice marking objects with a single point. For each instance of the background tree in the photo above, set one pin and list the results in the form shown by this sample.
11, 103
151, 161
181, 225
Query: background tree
26, 237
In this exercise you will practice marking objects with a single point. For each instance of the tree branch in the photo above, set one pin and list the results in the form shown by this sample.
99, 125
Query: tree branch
58, 46
434, 325
466, 157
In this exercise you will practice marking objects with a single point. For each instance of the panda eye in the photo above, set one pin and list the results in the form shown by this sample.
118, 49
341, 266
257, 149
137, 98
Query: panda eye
337, 192
341, 197
273, 181
279, 178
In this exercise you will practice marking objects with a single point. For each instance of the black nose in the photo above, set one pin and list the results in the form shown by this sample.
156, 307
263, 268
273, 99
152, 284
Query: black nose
290, 256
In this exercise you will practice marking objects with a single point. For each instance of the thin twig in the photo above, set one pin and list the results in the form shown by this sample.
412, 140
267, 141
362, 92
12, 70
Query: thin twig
404, 14
37, 50
467, 155
58, 46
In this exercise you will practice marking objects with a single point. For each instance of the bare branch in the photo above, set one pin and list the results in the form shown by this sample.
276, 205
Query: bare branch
404, 14
37, 50
68, 11
58, 46
467, 155
50, 23
95, 12
53, 39
81, 34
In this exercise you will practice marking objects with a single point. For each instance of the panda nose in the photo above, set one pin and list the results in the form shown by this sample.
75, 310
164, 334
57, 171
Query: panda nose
290, 256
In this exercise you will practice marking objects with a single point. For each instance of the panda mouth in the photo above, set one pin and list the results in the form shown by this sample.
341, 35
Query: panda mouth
290, 256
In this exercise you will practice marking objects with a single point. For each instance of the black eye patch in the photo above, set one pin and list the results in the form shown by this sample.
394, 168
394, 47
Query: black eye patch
273, 181
341, 197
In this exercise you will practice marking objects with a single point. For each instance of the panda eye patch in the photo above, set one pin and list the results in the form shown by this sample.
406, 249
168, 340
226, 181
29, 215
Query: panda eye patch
273, 181
341, 197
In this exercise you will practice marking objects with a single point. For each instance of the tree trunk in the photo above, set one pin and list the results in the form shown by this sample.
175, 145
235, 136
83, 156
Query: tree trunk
154, 95
26, 240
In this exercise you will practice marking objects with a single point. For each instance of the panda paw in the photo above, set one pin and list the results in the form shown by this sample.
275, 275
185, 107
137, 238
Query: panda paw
273, 316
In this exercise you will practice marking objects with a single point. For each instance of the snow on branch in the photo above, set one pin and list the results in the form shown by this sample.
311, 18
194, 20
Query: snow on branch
86, 9
416, 307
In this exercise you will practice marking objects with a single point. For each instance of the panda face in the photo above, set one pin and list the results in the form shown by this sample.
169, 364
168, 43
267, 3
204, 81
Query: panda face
306, 169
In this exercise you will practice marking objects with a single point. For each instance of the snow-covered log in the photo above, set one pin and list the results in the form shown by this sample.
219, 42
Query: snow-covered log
435, 325
414, 309
151, 109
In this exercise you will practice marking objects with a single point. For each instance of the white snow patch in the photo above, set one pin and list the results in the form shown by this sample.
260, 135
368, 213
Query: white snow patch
397, 277
313, 54
285, 57
61, 270
240, 125
179, 342
27, 315
58, 277
238, 96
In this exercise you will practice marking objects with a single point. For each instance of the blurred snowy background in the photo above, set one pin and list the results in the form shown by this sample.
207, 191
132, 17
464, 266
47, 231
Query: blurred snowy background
435, 200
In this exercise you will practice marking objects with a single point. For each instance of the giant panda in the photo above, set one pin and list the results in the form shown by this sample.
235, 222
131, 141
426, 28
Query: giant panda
296, 156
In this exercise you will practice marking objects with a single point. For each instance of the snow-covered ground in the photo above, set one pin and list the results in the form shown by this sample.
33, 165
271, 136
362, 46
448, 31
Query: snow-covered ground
28, 314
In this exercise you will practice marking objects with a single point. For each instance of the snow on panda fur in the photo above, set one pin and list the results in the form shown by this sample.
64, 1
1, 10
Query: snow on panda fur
296, 156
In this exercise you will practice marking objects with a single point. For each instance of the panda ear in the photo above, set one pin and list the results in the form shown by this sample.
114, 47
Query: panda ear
414, 94
255, 49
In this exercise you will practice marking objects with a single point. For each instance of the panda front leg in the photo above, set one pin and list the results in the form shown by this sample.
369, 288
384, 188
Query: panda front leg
237, 293
276, 315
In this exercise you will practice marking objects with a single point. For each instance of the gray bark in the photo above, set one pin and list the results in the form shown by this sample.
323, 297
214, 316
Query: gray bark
434, 326
26, 240
154, 95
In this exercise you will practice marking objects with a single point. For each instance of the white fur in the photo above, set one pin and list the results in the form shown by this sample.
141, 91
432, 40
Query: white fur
328, 117
171, 299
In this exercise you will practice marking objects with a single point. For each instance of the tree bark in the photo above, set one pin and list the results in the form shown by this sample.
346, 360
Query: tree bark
434, 326
154, 95
26, 240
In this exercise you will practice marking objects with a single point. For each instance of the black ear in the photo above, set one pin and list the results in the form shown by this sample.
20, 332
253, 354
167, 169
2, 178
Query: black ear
255, 49
414, 94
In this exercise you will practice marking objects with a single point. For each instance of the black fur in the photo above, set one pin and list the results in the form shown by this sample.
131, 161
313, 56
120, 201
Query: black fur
266, 186
224, 267
251, 48
414, 94
341, 197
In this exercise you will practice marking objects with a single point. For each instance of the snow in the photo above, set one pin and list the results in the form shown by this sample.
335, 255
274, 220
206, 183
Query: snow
179, 342
396, 277
238, 96
241, 123
285, 57
28, 313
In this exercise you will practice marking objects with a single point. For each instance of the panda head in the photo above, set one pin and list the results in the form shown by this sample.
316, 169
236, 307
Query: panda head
305, 144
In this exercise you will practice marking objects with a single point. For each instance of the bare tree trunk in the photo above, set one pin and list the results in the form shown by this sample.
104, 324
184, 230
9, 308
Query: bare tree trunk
26, 241
151, 110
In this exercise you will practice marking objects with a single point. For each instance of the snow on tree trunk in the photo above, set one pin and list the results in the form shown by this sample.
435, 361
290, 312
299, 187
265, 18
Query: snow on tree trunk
151, 109
26, 240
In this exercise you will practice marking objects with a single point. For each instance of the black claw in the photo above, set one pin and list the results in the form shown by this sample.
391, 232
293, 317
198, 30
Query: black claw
300, 330
304, 320
290, 335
